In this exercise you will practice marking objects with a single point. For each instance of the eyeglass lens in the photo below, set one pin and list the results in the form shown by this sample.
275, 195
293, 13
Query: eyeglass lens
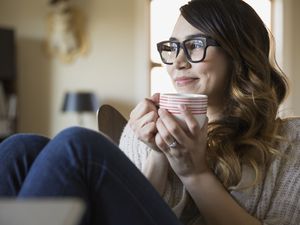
194, 48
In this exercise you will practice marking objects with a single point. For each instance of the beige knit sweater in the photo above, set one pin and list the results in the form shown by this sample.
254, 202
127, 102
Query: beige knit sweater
275, 201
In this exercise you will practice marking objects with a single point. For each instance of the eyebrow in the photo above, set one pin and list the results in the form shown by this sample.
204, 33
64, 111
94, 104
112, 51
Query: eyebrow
189, 36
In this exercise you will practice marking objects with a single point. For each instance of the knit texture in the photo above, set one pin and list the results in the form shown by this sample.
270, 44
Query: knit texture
274, 201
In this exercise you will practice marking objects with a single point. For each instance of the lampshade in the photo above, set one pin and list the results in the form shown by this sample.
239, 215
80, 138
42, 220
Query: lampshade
80, 102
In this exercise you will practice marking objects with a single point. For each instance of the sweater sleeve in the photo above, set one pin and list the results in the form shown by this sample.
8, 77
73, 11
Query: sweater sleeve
276, 201
284, 208
133, 148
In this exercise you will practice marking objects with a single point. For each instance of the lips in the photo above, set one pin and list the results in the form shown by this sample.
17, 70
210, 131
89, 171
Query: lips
183, 81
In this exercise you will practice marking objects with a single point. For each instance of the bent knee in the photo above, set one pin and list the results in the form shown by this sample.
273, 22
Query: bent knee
22, 143
77, 132
26, 139
83, 139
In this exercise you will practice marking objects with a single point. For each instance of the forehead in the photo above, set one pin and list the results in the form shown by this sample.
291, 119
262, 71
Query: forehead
184, 29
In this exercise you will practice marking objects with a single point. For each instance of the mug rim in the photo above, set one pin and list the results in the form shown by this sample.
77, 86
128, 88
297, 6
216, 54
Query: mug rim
183, 95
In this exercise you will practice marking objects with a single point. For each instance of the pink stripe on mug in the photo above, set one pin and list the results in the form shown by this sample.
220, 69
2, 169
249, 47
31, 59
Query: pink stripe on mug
196, 104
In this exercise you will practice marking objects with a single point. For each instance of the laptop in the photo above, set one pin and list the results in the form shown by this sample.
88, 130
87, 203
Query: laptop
41, 211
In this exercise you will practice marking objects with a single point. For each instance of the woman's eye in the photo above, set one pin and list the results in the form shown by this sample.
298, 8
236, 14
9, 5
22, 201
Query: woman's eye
169, 48
196, 44
173, 47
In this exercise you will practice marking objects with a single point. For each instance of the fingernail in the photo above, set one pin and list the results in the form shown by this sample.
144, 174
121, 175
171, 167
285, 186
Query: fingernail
182, 107
159, 111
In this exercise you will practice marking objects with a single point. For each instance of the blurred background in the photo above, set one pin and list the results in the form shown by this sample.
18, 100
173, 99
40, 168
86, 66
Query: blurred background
104, 47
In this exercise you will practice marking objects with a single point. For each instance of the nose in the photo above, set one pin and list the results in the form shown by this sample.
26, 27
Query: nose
181, 61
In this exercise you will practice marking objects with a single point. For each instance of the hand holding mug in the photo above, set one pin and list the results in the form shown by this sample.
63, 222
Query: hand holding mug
182, 133
143, 120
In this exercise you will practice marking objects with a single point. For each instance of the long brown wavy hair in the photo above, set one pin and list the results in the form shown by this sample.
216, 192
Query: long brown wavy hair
248, 130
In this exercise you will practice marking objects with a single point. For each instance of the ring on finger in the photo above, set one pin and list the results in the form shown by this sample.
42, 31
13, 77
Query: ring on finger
173, 144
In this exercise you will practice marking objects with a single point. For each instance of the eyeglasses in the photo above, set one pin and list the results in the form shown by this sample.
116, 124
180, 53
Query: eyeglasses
194, 49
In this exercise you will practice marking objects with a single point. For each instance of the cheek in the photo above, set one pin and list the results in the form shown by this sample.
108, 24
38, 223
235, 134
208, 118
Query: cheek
214, 76
202, 68
220, 79
171, 72
169, 69
218, 68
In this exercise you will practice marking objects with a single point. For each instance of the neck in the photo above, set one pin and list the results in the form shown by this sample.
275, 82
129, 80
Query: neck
214, 113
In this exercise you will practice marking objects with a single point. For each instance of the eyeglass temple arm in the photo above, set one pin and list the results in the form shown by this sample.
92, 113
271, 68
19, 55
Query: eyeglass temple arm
154, 64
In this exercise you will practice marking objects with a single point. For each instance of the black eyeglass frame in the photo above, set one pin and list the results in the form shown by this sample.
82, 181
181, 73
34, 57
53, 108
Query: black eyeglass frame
208, 41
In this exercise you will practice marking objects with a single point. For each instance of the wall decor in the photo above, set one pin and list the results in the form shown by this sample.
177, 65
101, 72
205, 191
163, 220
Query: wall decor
66, 31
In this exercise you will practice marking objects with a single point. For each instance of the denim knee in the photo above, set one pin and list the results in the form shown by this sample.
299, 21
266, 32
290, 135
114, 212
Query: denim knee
22, 144
80, 144
73, 154
75, 131
17, 154
81, 135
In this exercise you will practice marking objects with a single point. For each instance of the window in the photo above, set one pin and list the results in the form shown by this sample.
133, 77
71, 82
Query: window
164, 14
263, 9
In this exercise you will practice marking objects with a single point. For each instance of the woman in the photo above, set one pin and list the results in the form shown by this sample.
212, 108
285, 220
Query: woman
227, 178
241, 167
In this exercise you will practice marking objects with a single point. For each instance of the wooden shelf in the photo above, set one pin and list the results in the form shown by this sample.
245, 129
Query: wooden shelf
8, 83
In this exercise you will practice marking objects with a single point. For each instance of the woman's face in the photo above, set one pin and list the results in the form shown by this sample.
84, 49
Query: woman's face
208, 77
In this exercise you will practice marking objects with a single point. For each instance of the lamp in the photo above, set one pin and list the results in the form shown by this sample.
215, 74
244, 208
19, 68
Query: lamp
80, 102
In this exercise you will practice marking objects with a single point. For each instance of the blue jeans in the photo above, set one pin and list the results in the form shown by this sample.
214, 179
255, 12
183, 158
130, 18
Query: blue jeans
82, 163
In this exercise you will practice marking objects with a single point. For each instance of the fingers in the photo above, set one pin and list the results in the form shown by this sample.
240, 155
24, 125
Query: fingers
145, 127
155, 98
191, 122
147, 133
164, 133
170, 130
169, 127
160, 143
145, 106
143, 120
170, 136
204, 128
141, 109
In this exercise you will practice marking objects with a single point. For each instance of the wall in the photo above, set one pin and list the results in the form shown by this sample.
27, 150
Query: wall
294, 51
287, 33
116, 66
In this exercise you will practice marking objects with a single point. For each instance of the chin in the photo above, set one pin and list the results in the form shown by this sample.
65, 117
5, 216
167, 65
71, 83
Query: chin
188, 90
